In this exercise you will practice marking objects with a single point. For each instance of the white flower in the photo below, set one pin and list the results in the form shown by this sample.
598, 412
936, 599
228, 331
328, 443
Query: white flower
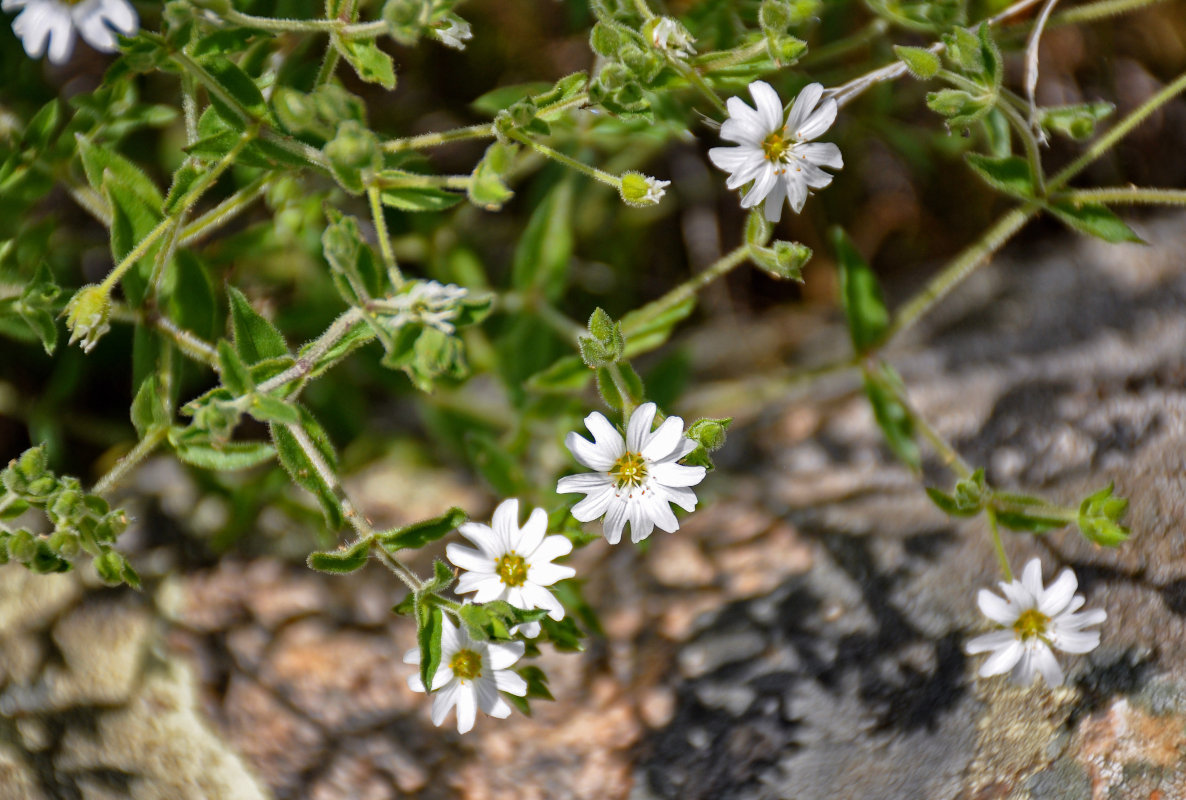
51, 23
470, 676
778, 157
429, 303
634, 480
642, 190
1033, 620
455, 33
512, 563
669, 35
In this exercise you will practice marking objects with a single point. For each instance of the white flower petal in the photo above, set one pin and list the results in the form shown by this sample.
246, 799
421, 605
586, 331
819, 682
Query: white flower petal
660, 512
452, 638
532, 532
682, 496
595, 504
670, 474
989, 641
1023, 672
606, 435
822, 154
796, 192
1031, 581
587, 482
1002, 660
506, 523
1058, 595
468, 559
730, 158
550, 549
763, 184
1046, 664
492, 589
664, 440
545, 574
774, 200
641, 523
467, 707
817, 123
997, 609
1084, 618
13, 5
510, 682
539, 597
768, 105
442, 701
1075, 641
639, 429
803, 106
527, 629
483, 536
89, 19
615, 521
503, 655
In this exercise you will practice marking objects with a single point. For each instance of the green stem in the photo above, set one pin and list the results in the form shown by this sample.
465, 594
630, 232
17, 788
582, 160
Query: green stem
165, 225
569, 161
998, 544
688, 288
947, 454
364, 30
1092, 12
305, 363
697, 80
960, 267
190, 345
225, 211
821, 55
723, 59
424, 140
392, 179
1119, 131
628, 404
393, 273
1026, 133
1128, 195
133, 457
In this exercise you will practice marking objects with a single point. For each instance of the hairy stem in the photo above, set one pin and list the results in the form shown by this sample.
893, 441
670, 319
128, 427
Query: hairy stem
133, 457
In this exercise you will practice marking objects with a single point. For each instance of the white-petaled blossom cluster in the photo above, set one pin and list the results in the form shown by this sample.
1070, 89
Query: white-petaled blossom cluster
471, 675
634, 479
1033, 620
49, 25
670, 36
775, 155
512, 563
454, 32
428, 303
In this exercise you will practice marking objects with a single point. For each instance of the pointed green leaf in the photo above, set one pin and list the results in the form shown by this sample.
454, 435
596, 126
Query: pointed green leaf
255, 337
542, 257
232, 370
347, 559
922, 63
419, 198
369, 61
1094, 220
415, 536
1011, 174
883, 389
301, 467
227, 456
868, 319
429, 627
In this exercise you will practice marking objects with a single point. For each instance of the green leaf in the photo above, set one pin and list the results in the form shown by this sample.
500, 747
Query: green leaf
429, 627
542, 257
226, 456
356, 272
487, 187
347, 559
497, 99
1010, 175
1094, 220
645, 330
269, 408
783, 261
1099, 518
132, 219
183, 182
105, 166
564, 635
255, 337
36, 306
1028, 523
41, 128
232, 370
567, 375
442, 577
868, 319
149, 411
960, 107
1076, 121
302, 468
192, 302
370, 62
235, 95
884, 388
922, 63
415, 536
419, 198
962, 49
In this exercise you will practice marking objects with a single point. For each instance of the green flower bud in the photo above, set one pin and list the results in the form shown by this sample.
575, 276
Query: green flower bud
353, 155
22, 545
642, 190
110, 566
65, 542
709, 433
86, 316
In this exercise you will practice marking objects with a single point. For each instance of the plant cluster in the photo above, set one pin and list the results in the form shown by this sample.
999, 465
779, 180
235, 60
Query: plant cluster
272, 134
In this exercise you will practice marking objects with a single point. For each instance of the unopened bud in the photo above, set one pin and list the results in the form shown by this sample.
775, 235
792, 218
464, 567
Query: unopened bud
642, 190
86, 316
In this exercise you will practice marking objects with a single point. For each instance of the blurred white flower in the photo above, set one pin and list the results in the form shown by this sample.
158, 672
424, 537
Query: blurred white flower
778, 157
428, 302
636, 479
1033, 620
512, 563
455, 33
470, 676
50, 24
669, 35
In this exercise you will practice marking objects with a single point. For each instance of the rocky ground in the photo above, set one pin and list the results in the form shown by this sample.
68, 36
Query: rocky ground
799, 638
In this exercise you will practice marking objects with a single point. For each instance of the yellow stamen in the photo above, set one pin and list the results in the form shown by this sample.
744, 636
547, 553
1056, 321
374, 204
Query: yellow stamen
629, 470
776, 145
466, 664
1032, 623
512, 569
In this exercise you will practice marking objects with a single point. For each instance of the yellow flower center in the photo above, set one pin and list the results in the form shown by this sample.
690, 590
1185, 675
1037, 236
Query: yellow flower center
629, 470
466, 664
776, 146
512, 569
1032, 623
